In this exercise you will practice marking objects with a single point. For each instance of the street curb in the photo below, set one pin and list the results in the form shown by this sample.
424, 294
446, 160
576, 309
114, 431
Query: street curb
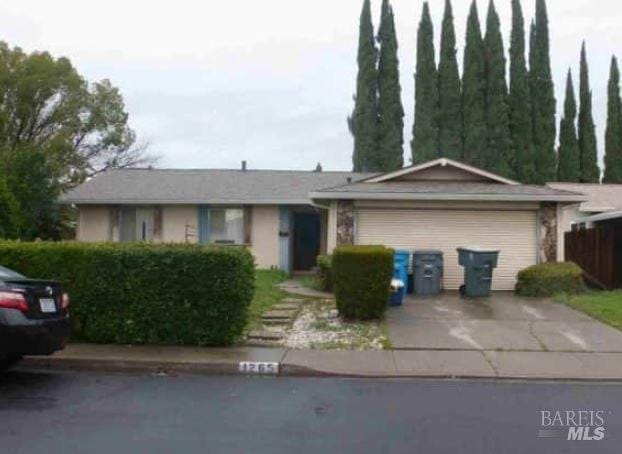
113, 365
228, 368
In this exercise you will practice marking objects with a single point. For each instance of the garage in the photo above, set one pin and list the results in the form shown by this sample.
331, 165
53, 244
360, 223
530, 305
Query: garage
443, 205
514, 233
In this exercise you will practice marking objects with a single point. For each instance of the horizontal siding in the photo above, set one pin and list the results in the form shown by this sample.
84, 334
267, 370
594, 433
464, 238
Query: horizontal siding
512, 232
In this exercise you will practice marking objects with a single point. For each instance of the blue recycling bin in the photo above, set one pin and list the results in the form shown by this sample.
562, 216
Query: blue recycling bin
401, 260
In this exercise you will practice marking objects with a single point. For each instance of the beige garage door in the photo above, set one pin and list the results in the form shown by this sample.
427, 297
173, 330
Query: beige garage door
512, 232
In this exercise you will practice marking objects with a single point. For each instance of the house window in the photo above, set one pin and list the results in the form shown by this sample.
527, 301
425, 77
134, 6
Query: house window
226, 225
137, 224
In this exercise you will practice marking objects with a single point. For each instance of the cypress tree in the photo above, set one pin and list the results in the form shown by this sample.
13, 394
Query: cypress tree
364, 120
424, 145
569, 167
542, 98
613, 134
450, 102
474, 93
390, 109
498, 153
519, 102
590, 173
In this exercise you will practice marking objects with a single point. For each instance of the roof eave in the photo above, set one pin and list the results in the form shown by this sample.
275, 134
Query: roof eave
183, 202
449, 197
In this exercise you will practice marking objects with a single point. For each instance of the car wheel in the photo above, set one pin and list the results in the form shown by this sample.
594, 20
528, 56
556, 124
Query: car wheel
7, 361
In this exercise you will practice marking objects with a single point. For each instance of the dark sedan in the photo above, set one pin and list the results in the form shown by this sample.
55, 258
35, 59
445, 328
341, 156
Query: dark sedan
34, 317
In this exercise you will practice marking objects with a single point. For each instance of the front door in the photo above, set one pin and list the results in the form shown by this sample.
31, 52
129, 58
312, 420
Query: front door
306, 240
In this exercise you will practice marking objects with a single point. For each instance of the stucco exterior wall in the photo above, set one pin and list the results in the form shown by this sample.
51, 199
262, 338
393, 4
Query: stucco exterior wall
265, 235
180, 224
93, 223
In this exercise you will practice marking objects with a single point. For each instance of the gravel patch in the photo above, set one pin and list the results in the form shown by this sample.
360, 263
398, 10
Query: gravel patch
319, 326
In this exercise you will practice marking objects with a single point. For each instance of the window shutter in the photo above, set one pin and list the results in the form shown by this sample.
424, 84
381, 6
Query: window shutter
248, 223
157, 223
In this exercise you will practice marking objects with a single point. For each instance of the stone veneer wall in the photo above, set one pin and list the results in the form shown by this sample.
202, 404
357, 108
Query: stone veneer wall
345, 222
548, 232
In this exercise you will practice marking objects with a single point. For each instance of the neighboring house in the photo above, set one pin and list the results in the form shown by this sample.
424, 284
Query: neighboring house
286, 218
603, 203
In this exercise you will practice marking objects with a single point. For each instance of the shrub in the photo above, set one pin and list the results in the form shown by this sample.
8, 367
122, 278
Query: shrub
325, 272
145, 294
362, 279
548, 279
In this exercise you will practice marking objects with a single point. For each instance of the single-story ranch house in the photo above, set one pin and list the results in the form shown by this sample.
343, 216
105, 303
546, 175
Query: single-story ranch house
287, 217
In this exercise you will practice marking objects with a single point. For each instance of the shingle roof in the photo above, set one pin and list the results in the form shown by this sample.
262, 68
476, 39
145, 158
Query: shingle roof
446, 190
131, 186
601, 197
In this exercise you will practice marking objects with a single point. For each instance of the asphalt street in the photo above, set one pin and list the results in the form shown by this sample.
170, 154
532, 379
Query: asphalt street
79, 412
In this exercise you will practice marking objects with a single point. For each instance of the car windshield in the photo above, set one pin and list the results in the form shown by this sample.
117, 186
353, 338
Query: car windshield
7, 273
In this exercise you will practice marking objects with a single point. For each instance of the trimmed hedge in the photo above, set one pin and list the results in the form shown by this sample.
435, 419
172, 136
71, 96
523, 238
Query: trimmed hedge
145, 293
362, 280
325, 272
548, 279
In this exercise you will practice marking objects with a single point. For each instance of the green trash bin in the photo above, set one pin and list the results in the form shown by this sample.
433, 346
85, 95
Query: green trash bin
478, 264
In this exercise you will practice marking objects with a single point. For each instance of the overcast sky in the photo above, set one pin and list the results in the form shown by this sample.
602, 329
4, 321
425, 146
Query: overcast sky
212, 82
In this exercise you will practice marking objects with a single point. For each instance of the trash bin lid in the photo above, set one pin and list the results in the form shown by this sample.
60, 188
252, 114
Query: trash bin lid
478, 249
427, 252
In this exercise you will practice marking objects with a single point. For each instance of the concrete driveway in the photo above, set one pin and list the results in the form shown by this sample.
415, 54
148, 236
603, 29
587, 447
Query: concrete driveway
503, 322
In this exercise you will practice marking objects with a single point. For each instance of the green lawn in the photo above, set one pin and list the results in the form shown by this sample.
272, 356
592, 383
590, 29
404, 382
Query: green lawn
267, 294
604, 306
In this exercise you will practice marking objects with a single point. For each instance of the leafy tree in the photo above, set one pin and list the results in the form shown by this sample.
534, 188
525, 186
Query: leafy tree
56, 129
543, 101
364, 121
82, 128
613, 134
9, 212
498, 153
590, 173
474, 93
569, 168
450, 99
521, 128
36, 185
424, 145
390, 109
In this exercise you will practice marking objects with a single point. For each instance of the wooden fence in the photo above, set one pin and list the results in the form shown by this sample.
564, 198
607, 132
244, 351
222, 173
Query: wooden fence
599, 252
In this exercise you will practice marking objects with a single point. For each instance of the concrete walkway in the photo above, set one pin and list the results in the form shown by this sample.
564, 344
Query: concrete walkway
295, 287
387, 363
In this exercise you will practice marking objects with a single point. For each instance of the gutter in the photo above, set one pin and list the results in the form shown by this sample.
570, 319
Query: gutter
184, 202
446, 197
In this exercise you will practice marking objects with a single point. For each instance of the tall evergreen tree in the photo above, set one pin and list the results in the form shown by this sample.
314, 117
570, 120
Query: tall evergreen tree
364, 120
424, 145
542, 97
498, 152
390, 109
474, 93
569, 166
450, 102
613, 134
521, 128
590, 173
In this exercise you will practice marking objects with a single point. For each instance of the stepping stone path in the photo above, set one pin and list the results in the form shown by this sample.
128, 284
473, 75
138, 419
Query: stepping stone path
275, 321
